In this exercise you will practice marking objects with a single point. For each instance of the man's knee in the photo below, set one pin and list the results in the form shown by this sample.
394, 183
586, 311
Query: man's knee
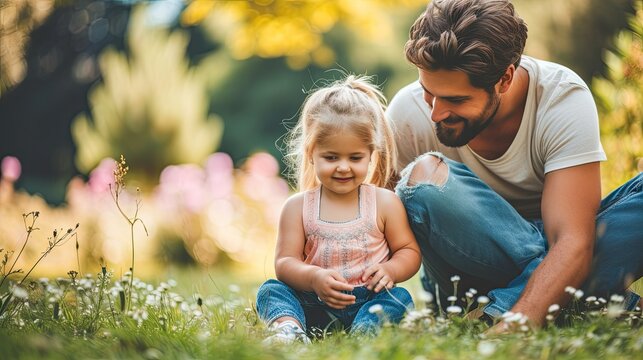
430, 169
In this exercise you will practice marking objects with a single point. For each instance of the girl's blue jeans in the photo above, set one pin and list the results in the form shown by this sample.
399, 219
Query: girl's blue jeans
275, 299
465, 228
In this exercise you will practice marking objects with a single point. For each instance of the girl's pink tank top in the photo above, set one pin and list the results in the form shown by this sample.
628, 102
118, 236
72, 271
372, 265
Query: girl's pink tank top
349, 247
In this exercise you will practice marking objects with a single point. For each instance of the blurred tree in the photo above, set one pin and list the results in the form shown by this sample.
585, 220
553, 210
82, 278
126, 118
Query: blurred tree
19, 18
596, 22
151, 106
259, 98
293, 29
60, 58
620, 101
573, 32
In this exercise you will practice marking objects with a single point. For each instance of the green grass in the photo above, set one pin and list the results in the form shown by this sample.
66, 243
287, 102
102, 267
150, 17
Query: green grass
208, 315
211, 314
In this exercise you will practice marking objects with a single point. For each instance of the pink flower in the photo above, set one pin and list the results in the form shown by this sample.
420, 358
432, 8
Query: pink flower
262, 164
219, 163
219, 175
261, 182
11, 168
184, 184
102, 176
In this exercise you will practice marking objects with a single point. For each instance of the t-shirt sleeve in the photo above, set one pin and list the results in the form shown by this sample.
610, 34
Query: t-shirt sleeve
570, 132
408, 115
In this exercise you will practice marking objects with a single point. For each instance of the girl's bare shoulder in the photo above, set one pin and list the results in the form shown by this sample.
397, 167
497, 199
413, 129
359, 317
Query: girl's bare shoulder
294, 203
386, 197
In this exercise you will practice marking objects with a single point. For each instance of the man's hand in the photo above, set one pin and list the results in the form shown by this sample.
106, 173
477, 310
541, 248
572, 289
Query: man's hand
511, 323
500, 328
377, 277
328, 285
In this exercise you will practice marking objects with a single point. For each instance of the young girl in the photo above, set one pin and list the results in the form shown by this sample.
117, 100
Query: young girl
344, 241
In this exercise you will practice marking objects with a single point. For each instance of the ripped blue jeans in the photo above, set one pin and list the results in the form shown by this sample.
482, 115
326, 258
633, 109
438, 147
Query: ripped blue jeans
465, 228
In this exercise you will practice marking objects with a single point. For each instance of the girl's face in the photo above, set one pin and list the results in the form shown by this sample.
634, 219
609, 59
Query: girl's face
341, 163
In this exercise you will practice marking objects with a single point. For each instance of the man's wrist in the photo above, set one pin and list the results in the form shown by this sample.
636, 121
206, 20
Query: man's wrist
534, 317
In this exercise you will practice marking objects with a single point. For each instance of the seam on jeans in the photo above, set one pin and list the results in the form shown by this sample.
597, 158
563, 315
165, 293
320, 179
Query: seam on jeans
637, 187
406, 307
494, 310
611, 206
403, 184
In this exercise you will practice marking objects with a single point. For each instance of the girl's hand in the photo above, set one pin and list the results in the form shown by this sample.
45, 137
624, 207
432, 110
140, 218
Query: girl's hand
377, 278
328, 285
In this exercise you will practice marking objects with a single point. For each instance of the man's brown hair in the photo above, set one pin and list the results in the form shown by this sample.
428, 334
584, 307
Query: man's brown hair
479, 37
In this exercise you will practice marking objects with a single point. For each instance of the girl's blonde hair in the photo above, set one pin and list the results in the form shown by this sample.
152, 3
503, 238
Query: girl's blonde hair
351, 105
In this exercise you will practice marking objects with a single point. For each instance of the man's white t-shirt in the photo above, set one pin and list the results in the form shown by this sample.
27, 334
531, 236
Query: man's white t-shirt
559, 129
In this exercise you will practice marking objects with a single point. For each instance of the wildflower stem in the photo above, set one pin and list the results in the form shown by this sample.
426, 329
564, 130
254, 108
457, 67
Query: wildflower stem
101, 294
78, 256
131, 279
119, 185
437, 298
29, 229
52, 245
131, 223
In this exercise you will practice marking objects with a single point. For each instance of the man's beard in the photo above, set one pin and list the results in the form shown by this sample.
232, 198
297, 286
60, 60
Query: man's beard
449, 136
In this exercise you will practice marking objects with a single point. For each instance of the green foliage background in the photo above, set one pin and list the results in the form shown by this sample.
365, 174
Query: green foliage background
151, 105
619, 97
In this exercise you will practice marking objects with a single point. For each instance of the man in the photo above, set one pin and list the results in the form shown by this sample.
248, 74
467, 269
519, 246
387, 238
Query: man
510, 200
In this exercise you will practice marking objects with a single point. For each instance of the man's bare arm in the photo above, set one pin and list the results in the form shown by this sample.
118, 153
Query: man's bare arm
571, 198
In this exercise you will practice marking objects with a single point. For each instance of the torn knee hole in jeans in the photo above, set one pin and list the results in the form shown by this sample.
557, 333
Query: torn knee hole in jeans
432, 170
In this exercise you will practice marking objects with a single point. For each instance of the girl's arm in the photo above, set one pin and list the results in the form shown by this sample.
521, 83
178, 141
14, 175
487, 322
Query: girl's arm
289, 260
405, 252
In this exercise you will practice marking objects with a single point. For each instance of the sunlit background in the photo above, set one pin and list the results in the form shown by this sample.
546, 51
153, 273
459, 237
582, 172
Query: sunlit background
196, 95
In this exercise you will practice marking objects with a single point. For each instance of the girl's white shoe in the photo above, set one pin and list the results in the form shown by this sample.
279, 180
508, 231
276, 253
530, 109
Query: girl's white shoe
286, 332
